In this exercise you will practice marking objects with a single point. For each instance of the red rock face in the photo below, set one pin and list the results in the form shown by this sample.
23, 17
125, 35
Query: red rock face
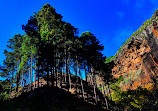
138, 62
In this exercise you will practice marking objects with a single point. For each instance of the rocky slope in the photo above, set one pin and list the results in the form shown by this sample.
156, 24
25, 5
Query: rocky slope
137, 60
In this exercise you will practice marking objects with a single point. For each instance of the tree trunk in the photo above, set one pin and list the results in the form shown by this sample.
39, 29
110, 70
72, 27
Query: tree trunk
95, 94
56, 69
94, 85
11, 85
81, 80
69, 79
69, 73
67, 83
38, 73
22, 79
42, 69
47, 73
75, 72
52, 68
31, 70
89, 75
61, 78
82, 85
35, 77
103, 92
85, 70
17, 79
52, 74
29, 79
57, 78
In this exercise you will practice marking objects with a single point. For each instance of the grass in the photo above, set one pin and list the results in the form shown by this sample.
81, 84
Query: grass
108, 59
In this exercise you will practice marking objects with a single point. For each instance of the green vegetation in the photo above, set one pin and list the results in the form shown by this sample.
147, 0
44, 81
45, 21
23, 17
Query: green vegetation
52, 49
4, 89
49, 48
108, 59
137, 100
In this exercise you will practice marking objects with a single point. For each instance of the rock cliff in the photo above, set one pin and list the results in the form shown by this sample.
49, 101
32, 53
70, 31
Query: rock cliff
137, 59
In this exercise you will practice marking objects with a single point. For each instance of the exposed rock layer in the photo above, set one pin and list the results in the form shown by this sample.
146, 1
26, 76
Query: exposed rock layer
138, 62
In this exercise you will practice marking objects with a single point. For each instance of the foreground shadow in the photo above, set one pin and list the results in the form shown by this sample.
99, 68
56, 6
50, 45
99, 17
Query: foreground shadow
47, 98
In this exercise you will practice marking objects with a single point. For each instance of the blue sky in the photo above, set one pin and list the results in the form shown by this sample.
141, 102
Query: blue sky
112, 21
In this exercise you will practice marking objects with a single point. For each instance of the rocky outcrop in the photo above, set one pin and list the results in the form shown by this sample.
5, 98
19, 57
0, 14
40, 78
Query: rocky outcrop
138, 60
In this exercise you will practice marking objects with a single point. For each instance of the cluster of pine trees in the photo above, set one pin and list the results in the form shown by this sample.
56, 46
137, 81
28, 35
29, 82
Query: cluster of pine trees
50, 46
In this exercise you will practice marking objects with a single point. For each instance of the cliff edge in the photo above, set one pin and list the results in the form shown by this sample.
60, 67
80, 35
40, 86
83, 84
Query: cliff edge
137, 59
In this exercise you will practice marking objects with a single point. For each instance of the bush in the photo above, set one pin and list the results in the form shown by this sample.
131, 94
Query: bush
4, 96
1, 97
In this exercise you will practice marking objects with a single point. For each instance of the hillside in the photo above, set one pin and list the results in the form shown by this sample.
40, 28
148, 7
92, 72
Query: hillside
55, 98
48, 99
48, 63
52, 68
135, 70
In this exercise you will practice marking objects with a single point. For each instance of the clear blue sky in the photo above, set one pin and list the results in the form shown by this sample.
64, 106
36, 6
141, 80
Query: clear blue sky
112, 21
